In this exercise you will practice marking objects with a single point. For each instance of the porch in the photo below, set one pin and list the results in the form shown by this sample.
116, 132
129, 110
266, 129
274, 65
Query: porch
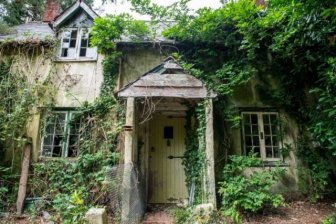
154, 147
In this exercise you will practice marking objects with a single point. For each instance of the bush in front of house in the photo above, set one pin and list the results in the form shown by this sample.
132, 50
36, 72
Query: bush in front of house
248, 193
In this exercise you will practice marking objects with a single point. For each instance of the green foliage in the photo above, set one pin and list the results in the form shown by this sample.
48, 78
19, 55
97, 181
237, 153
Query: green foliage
331, 219
324, 116
194, 156
8, 187
315, 179
248, 193
292, 41
107, 30
187, 216
71, 187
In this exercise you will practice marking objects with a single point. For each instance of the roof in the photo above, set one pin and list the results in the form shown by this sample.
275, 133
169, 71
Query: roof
157, 28
32, 31
166, 80
67, 13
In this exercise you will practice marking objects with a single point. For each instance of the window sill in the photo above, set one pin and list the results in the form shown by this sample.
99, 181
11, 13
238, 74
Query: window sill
62, 60
46, 158
273, 163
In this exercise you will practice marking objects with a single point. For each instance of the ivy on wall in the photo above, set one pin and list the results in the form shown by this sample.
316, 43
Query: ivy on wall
291, 41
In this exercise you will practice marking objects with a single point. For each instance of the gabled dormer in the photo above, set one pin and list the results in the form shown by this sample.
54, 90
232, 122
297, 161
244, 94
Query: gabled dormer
73, 30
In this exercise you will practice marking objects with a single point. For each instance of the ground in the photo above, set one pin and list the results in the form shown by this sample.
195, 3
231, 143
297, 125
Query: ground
297, 212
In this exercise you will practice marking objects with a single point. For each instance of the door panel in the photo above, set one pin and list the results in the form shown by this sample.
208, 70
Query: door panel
166, 172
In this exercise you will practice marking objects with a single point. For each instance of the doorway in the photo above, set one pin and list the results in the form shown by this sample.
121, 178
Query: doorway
166, 180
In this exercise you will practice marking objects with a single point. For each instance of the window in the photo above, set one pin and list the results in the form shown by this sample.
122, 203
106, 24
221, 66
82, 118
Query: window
75, 44
61, 134
260, 134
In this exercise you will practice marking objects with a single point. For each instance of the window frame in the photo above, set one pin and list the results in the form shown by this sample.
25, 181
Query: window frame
261, 134
69, 114
77, 57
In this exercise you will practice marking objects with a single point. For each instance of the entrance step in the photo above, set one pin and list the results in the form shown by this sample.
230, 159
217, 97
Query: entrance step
158, 217
158, 214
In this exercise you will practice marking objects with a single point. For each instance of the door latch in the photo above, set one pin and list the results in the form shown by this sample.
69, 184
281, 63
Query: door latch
175, 157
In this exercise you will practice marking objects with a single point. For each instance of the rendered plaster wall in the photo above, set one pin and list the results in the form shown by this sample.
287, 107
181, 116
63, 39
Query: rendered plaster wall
75, 82
136, 61
249, 96
78, 81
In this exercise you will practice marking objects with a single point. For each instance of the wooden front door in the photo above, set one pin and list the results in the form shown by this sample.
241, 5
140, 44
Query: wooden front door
166, 182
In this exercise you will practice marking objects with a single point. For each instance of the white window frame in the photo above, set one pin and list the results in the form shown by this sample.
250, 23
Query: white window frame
66, 132
78, 46
261, 134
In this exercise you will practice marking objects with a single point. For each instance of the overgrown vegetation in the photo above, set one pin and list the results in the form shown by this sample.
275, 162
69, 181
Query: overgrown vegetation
293, 41
244, 192
194, 156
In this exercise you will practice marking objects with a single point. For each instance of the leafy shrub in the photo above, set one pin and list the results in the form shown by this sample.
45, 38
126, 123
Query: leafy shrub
315, 174
242, 193
186, 216
71, 209
71, 187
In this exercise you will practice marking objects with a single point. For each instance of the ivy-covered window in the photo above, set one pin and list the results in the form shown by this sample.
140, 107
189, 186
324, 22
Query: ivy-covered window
75, 44
261, 134
61, 134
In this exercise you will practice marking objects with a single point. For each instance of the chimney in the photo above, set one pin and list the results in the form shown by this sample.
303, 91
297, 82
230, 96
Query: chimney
52, 9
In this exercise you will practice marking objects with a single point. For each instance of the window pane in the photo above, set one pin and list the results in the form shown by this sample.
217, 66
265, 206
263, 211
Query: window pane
73, 145
256, 150
246, 118
57, 151
66, 34
269, 152
256, 140
73, 43
73, 34
84, 43
255, 130
248, 150
247, 129
275, 140
254, 119
266, 119
276, 152
48, 140
273, 119
248, 140
50, 128
268, 141
274, 129
46, 151
267, 129
64, 52
82, 52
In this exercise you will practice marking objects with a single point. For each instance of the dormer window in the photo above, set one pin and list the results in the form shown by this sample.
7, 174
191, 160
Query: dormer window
75, 44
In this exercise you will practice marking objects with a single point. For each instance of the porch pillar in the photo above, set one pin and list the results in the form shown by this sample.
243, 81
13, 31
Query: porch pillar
128, 161
130, 131
209, 152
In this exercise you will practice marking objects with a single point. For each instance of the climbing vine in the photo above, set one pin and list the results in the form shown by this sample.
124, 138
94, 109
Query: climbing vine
291, 41
194, 156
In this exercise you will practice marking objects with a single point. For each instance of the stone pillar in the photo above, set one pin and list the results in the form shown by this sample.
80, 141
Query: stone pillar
209, 152
130, 130
128, 161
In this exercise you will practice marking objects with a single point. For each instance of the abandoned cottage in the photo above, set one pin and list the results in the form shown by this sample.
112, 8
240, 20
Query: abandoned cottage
156, 93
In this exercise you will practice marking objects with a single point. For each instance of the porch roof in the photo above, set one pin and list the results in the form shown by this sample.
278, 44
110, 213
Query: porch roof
166, 80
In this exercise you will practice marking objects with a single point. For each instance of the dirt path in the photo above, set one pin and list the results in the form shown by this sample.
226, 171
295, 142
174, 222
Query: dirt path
298, 212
